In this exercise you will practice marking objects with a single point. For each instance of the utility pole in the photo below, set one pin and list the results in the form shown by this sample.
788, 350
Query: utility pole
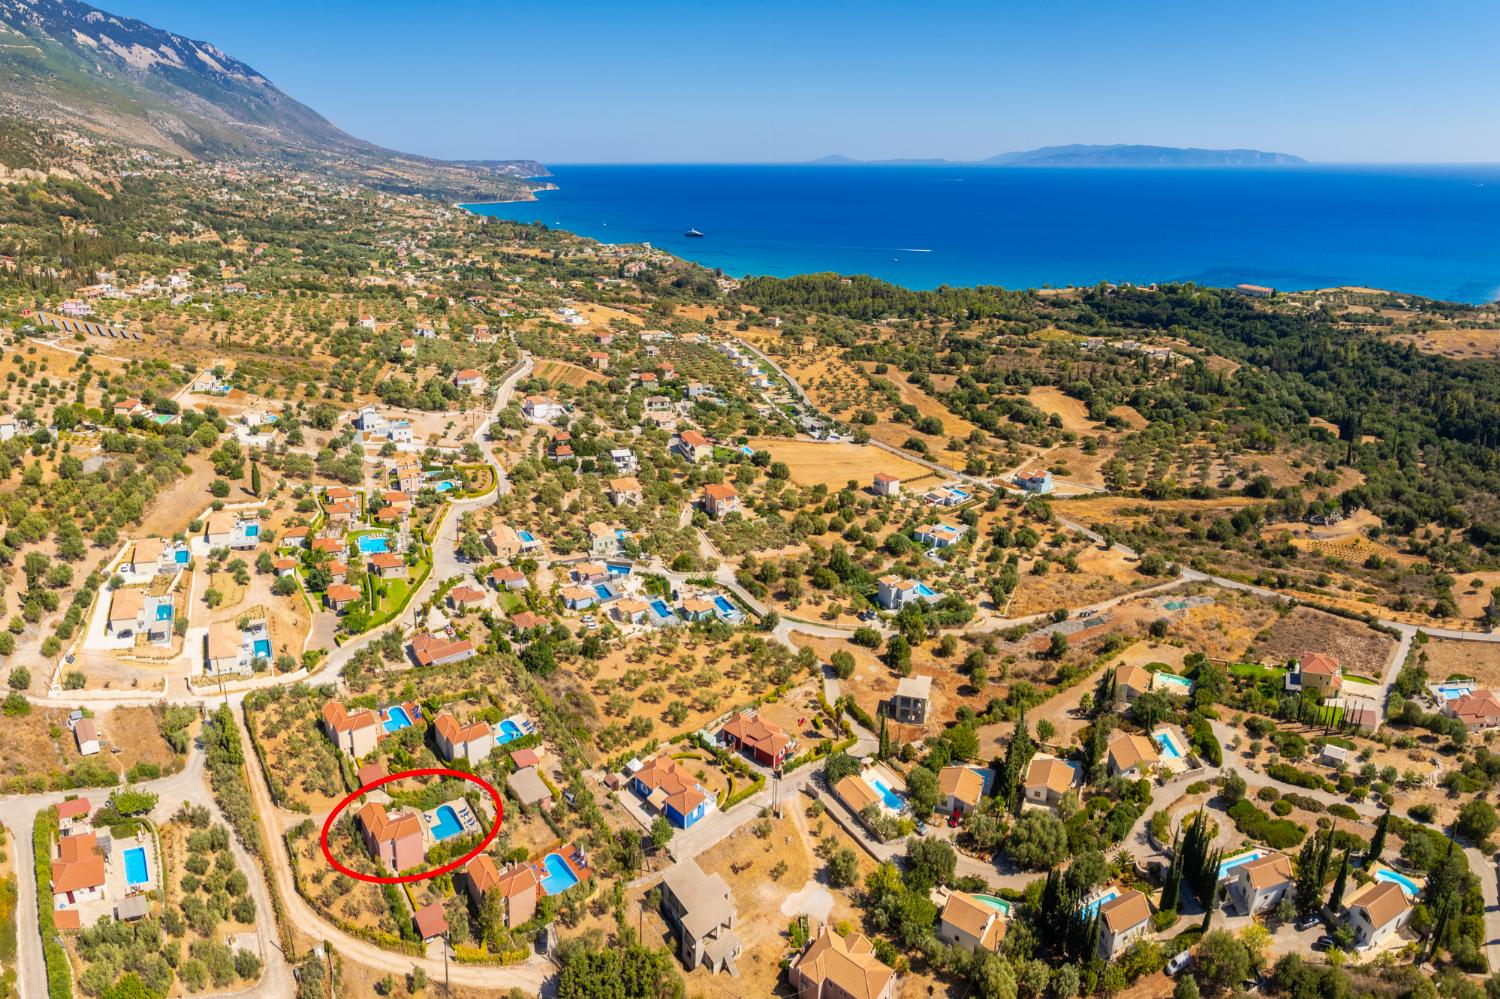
447, 942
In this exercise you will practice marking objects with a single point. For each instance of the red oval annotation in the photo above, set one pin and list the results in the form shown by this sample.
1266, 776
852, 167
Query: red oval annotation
424, 875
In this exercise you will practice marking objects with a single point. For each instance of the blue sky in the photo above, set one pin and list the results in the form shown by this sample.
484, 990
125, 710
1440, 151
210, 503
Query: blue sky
1373, 81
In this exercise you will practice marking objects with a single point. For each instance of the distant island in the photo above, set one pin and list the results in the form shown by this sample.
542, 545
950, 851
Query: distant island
1102, 156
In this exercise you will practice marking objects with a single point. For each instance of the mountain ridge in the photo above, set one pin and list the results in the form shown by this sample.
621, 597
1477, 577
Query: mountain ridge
77, 67
1084, 155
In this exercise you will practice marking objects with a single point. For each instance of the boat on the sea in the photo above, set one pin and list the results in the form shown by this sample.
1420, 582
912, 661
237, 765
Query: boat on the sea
693, 234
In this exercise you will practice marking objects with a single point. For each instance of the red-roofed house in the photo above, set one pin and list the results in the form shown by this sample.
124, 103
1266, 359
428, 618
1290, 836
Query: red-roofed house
473, 741
717, 500
438, 650
1478, 710
355, 734
394, 840
693, 446
671, 790
518, 886
1317, 671
765, 742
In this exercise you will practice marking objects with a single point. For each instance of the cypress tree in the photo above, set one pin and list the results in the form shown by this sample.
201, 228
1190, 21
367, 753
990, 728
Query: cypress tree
255, 478
1309, 888
1336, 898
1326, 857
1377, 841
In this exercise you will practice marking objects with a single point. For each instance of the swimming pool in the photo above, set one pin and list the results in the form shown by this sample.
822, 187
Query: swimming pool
615, 569
994, 903
725, 607
1410, 887
135, 867
447, 825
508, 730
559, 876
396, 718
602, 592
262, 648
891, 798
923, 590
252, 530
1236, 861
181, 557
164, 611
370, 544
1175, 605
1168, 742
1171, 680
525, 536
1093, 907
661, 608
1453, 691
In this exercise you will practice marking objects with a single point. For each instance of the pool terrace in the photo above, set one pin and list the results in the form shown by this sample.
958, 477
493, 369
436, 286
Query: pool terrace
398, 716
451, 818
563, 868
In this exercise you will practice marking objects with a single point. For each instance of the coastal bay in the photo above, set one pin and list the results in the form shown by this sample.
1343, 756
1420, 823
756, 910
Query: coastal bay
1432, 231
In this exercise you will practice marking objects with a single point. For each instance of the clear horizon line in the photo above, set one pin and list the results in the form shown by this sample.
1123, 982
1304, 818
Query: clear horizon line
936, 162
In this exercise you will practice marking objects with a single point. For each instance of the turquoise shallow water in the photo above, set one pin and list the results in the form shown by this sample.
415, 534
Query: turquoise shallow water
1431, 231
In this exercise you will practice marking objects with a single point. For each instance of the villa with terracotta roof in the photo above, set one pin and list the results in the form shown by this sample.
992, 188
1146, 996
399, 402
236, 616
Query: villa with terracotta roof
719, 499
1129, 754
1260, 884
78, 873
469, 378
1377, 912
1131, 681
1478, 709
625, 490
519, 886
507, 578
751, 734
393, 839
355, 734
339, 596
462, 598
969, 923
1122, 920
856, 793
960, 790
438, 650
886, 485
835, 967
1316, 671
693, 446
1047, 780
671, 790
388, 565
472, 742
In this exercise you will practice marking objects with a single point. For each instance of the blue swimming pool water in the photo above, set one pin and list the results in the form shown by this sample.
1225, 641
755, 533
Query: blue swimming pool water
1093, 906
508, 730
618, 570
252, 530
923, 590
994, 903
396, 718
181, 557
1175, 604
1407, 884
559, 877
369, 544
525, 536
447, 485
891, 799
1452, 692
164, 612
1174, 680
447, 825
1168, 744
263, 648
661, 608
725, 607
1236, 861
135, 867
601, 591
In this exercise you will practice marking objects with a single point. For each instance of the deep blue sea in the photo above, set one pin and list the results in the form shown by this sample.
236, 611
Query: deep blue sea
1431, 231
